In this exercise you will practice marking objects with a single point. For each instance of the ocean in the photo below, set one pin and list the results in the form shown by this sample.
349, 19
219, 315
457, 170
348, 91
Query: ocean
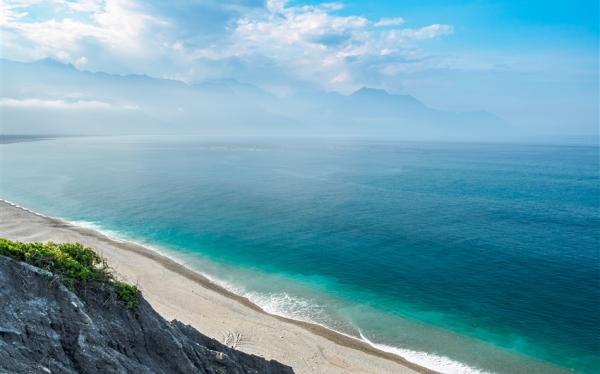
459, 257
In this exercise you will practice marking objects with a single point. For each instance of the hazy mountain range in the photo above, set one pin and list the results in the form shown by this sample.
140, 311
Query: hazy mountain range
48, 97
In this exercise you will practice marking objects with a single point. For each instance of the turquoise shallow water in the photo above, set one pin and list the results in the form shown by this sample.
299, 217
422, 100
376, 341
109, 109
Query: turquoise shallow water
462, 257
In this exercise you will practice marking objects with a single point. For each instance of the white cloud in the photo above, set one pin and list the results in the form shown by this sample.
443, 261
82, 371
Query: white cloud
130, 107
61, 104
116, 24
83, 5
315, 43
81, 62
297, 25
427, 32
383, 22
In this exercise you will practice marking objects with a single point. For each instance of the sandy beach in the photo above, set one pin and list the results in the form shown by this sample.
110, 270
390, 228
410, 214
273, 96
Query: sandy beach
179, 293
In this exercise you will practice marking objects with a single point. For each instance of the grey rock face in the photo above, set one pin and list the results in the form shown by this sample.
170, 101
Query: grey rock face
46, 328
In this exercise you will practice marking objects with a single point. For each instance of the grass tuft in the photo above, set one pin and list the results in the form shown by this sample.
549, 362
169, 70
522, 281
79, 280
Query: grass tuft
75, 264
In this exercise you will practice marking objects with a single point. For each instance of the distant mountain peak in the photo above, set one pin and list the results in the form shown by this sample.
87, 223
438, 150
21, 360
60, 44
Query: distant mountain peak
49, 61
382, 97
380, 93
370, 92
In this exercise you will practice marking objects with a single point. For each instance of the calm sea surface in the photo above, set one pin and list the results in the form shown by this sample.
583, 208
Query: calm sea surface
461, 257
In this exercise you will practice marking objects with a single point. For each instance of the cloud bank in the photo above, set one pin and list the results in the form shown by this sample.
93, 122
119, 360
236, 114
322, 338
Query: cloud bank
272, 41
61, 104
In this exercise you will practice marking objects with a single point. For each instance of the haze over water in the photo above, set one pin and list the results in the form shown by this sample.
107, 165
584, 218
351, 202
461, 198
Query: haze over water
485, 254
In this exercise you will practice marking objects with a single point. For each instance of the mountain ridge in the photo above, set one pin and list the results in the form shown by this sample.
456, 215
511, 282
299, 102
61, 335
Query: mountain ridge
141, 104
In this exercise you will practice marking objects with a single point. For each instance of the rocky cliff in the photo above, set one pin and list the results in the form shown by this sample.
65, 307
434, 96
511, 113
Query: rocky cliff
47, 328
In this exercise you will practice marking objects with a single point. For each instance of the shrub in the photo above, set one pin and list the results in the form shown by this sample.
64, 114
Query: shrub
73, 263
128, 293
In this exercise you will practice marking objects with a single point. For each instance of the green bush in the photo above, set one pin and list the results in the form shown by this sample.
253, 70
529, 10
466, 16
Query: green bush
128, 293
73, 263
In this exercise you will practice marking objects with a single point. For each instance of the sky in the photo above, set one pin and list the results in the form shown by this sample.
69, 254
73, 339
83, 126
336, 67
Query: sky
534, 63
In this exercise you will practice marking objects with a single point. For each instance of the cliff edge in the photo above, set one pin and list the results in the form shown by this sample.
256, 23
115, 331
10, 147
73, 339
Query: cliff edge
46, 327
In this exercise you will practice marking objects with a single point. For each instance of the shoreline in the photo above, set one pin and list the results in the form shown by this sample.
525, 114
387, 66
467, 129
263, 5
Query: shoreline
111, 246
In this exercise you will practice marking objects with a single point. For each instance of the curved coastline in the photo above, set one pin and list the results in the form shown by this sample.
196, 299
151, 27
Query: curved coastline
172, 264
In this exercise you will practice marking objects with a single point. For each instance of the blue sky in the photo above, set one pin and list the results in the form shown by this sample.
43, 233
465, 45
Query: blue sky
534, 63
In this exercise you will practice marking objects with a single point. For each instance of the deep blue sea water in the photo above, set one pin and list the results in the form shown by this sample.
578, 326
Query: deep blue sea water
462, 257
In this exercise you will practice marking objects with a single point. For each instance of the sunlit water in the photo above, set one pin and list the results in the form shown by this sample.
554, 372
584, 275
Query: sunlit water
460, 257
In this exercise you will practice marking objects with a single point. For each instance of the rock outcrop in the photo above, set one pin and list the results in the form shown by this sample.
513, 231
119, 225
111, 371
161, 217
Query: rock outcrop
47, 328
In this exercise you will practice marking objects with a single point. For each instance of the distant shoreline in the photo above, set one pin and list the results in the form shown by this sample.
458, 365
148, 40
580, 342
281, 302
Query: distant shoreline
126, 258
10, 139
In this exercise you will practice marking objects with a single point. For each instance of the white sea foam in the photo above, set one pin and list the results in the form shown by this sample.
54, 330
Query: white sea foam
297, 308
233, 288
113, 235
120, 237
24, 208
441, 364
285, 305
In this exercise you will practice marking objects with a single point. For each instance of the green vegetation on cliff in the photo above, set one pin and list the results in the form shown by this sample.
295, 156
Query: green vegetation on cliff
74, 264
